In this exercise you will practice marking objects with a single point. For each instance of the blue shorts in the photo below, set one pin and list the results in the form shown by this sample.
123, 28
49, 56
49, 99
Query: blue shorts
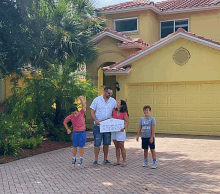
99, 136
146, 143
79, 138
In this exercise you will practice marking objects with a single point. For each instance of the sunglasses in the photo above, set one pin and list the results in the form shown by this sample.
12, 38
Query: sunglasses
109, 93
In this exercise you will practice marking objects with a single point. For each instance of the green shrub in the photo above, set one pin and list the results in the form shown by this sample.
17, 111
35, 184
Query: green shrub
9, 146
59, 134
10, 126
31, 143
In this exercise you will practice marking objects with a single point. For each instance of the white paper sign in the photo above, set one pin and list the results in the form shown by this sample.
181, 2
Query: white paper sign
111, 125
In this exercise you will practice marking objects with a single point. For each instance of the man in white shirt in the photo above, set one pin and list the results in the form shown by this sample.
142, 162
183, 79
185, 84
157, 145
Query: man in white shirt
101, 109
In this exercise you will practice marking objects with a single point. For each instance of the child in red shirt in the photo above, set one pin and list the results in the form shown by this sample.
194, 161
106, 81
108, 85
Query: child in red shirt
79, 133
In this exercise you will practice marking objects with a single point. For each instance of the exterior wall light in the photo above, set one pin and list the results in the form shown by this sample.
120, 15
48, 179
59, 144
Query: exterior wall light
117, 86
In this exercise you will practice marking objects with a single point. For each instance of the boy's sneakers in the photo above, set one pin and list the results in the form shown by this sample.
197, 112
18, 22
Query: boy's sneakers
74, 161
145, 164
80, 161
154, 165
95, 163
107, 162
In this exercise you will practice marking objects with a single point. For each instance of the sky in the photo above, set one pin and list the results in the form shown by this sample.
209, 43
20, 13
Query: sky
104, 3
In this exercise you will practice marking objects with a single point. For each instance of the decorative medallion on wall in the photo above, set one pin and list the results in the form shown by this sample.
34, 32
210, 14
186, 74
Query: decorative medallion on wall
181, 56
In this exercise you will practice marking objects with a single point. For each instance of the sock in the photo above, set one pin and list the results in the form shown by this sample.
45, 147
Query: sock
81, 157
74, 158
154, 160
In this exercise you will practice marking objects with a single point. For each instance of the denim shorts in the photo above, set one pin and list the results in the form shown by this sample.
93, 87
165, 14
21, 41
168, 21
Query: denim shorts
99, 136
79, 138
146, 143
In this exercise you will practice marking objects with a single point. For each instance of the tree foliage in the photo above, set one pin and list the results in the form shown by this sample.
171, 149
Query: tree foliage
54, 39
40, 31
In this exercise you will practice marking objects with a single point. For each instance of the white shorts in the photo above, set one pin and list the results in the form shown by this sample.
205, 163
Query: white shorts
118, 136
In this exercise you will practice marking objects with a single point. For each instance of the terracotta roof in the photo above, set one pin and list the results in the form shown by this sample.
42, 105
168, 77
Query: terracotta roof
113, 32
135, 43
129, 43
180, 30
164, 5
182, 4
116, 70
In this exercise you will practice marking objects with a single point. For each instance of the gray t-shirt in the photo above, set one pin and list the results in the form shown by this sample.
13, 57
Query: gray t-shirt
146, 124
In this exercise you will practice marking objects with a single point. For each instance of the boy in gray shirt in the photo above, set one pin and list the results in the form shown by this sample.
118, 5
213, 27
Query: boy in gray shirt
147, 126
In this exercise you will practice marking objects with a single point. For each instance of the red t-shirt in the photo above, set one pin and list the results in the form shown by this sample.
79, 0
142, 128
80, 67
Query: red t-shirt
77, 122
121, 116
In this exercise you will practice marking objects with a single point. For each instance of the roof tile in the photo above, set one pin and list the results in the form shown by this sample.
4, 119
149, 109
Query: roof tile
164, 5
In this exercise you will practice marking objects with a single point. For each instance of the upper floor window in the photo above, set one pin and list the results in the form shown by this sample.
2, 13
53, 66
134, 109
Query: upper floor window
126, 25
168, 27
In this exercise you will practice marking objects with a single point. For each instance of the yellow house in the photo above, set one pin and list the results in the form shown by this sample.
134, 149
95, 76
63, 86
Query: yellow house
166, 55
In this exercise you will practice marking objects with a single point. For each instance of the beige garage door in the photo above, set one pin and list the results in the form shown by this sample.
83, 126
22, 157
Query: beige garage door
179, 108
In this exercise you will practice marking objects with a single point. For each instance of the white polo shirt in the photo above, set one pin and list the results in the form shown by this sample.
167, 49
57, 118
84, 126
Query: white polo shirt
103, 110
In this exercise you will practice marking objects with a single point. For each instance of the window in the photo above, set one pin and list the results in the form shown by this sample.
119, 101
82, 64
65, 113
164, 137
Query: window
169, 27
126, 25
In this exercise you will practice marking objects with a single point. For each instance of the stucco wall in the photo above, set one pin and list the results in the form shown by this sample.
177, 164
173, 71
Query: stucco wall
204, 65
200, 22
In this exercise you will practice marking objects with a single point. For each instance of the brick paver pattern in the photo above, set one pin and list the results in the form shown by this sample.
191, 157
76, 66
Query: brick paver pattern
185, 165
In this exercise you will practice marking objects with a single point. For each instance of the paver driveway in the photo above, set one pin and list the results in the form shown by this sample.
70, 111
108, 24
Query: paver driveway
185, 165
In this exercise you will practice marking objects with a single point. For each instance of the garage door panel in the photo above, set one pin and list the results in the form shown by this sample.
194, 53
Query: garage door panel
135, 88
176, 114
135, 113
190, 128
147, 100
206, 114
161, 88
176, 88
191, 88
217, 129
148, 89
191, 114
176, 100
217, 114
206, 129
175, 127
135, 100
218, 100
161, 127
217, 87
179, 108
161, 114
190, 100
207, 100
161, 100
207, 87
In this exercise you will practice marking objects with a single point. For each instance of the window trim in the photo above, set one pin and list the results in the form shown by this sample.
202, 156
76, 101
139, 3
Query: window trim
174, 24
126, 19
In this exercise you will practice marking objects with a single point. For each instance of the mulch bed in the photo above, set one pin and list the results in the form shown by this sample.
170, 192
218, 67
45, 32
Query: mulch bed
46, 146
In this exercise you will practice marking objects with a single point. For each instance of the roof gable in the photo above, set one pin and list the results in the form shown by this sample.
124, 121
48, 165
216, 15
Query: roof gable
180, 33
113, 34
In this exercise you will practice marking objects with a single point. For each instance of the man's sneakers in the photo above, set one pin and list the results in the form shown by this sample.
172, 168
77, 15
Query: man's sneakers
145, 164
95, 163
74, 161
80, 161
107, 162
